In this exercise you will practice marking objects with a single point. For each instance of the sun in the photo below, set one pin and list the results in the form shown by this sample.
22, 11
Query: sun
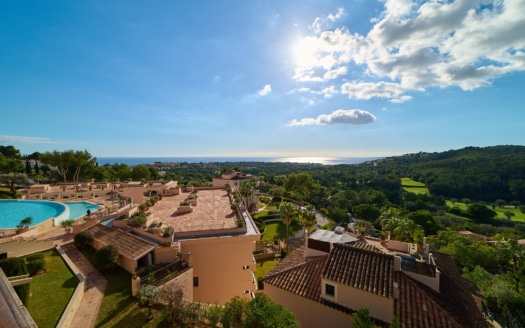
306, 52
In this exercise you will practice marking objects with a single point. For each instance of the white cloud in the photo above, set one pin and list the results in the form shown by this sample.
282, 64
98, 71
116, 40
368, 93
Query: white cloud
22, 139
417, 45
369, 90
320, 22
264, 91
340, 116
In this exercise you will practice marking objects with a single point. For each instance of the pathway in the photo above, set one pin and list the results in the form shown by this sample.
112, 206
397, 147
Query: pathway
94, 285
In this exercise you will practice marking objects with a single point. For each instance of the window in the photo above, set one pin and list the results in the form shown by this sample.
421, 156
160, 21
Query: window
246, 267
329, 290
195, 281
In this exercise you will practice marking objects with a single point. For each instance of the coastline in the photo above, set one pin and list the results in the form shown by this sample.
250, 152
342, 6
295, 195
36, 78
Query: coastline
131, 161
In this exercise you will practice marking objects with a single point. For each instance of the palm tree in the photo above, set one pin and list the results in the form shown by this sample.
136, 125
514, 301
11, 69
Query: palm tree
287, 212
66, 224
308, 216
510, 248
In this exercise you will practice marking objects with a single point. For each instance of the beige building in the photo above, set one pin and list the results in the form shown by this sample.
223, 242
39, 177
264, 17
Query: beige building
324, 282
233, 178
220, 243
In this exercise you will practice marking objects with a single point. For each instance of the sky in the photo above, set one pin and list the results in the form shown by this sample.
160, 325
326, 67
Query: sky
261, 78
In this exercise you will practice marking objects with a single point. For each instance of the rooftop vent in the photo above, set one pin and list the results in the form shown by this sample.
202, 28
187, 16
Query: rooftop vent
339, 230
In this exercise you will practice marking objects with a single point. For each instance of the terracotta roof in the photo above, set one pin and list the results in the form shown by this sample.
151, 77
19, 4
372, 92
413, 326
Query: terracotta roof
359, 268
414, 307
458, 292
363, 244
129, 246
302, 277
417, 305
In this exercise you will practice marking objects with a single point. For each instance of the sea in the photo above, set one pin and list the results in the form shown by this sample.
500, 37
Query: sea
131, 161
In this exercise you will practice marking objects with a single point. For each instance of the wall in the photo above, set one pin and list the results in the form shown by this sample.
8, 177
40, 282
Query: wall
165, 254
22, 248
354, 298
399, 246
309, 313
218, 263
84, 225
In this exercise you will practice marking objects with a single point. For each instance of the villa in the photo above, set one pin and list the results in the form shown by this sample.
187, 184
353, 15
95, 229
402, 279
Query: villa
334, 274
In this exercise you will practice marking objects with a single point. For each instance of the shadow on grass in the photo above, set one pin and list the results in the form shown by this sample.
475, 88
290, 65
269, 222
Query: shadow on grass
70, 283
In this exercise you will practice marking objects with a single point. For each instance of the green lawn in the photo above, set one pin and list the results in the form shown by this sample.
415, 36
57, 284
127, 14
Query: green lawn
412, 186
518, 215
119, 308
51, 291
263, 267
407, 182
273, 231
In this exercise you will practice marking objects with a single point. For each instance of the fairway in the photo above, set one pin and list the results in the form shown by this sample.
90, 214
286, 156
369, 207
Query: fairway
413, 186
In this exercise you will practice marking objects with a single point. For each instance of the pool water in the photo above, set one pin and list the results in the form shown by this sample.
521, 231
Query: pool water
78, 209
13, 211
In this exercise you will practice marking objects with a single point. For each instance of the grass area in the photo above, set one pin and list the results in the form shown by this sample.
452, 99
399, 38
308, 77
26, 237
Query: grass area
461, 206
119, 308
518, 215
51, 291
263, 267
412, 186
274, 230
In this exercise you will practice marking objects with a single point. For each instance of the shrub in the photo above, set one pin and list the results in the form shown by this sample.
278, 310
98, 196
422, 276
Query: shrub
36, 266
36, 256
82, 239
15, 266
167, 231
107, 257
138, 220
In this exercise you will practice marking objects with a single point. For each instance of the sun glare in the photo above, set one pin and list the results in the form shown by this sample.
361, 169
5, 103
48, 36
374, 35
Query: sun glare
306, 53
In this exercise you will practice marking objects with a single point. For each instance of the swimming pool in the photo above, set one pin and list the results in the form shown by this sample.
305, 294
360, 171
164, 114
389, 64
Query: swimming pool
78, 209
13, 211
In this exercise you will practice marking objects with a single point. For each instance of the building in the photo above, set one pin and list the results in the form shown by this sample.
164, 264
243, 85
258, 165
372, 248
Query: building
233, 178
334, 274
219, 241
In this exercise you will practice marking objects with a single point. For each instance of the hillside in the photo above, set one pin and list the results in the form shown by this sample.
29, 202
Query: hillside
488, 173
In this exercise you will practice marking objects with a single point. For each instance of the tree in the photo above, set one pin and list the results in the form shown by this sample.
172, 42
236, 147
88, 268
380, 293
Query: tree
233, 313
302, 184
366, 212
362, 319
82, 239
107, 257
260, 312
508, 214
66, 160
511, 249
140, 172
13, 179
480, 213
287, 212
263, 312
308, 216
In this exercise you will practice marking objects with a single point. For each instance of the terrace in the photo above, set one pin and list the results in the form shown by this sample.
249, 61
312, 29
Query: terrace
212, 215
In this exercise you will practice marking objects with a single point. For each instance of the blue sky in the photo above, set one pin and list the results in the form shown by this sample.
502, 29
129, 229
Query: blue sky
261, 78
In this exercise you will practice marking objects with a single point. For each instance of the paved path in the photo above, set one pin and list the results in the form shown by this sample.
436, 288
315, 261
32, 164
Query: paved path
94, 287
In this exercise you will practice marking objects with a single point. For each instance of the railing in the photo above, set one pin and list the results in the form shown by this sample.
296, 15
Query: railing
164, 274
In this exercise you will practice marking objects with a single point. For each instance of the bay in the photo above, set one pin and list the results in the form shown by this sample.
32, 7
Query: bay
131, 161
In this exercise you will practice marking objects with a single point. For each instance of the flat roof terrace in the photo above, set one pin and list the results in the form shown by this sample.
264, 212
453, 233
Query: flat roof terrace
212, 212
